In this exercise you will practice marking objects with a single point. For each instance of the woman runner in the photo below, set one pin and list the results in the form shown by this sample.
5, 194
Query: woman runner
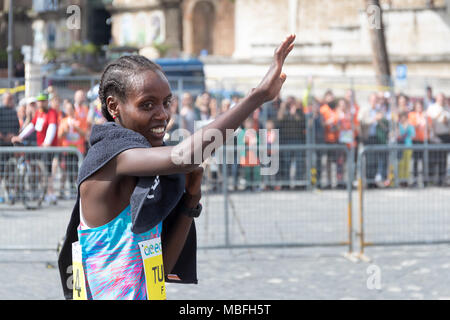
135, 97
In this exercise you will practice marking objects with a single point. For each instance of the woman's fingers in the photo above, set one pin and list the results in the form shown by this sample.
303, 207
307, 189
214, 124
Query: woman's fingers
284, 49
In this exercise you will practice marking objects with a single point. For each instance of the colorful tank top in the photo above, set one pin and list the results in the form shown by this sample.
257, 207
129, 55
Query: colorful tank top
112, 261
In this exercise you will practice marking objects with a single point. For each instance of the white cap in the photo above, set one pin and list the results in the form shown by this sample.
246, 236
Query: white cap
31, 100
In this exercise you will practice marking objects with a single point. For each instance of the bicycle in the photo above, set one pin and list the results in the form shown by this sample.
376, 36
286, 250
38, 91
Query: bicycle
25, 180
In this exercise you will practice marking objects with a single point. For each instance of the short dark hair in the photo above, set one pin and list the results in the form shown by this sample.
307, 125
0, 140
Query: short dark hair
115, 78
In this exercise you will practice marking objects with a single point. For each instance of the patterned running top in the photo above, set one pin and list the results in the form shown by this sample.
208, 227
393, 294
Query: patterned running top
112, 261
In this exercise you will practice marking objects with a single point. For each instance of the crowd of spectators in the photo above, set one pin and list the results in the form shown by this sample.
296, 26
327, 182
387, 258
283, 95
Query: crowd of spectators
332, 120
47, 120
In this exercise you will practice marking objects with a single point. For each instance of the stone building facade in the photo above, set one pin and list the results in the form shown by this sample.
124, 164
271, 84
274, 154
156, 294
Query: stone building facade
332, 36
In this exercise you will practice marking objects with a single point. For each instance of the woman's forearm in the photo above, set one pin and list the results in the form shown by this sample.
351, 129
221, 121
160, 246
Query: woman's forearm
191, 150
187, 155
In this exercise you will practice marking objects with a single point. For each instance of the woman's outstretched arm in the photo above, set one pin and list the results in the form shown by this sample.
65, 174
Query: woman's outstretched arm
189, 153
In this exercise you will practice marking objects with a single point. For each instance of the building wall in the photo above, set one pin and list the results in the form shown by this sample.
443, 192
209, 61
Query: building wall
222, 31
333, 36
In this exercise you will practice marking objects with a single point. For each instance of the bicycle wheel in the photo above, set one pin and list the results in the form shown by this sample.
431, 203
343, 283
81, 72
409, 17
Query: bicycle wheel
35, 184
9, 181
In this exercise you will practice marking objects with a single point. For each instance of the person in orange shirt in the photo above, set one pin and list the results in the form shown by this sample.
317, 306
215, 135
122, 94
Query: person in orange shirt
347, 123
421, 124
72, 132
248, 139
82, 112
327, 110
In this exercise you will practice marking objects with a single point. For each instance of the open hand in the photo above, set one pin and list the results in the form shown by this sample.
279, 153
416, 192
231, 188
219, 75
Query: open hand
272, 82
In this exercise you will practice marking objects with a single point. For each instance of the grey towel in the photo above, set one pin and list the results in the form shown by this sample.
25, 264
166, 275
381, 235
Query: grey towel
153, 199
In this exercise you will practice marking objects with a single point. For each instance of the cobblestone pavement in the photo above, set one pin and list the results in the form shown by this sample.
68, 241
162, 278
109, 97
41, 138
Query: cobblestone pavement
403, 272
406, 272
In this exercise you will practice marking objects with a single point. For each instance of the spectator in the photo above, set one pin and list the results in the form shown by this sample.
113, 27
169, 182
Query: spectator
82, 111
346, 127
30, 111
439, 113
189, 114
382, 138
21, 111
331, 130
354, 109
55, 104
232, 168
403, 104
316, 127
213, 108
291, 124
9, 123
271, 108
271, 140
420, 122
429, 100
95, 115
405, 136
72, 132
203, 106
45, 125
248, 140
225, 105
174, 122
371, 134
9, 127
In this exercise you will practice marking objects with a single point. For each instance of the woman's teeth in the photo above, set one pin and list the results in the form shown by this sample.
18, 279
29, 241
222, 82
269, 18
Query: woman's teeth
158, 130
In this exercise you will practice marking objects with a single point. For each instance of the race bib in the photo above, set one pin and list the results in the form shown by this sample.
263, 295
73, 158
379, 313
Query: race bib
39, 124
151, 252
79, 282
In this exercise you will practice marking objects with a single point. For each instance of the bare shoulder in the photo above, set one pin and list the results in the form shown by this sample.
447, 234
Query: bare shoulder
105, 194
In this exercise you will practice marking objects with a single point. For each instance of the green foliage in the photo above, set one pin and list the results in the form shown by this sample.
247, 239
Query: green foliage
161, 47
51, 55
78, 50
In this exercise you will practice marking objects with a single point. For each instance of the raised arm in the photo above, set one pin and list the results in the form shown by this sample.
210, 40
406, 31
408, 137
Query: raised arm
189, 153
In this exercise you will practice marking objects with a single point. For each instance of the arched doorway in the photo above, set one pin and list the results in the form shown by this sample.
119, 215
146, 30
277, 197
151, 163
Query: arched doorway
203, 28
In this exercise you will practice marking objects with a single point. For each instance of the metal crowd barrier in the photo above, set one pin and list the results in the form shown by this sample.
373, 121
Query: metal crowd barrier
31, 180
415, 207
258, 214
279, 209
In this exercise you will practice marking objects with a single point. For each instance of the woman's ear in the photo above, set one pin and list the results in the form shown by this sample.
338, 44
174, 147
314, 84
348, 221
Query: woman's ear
112, 105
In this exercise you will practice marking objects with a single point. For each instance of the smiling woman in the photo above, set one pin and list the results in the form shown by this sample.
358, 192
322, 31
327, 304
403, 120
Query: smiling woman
132, 194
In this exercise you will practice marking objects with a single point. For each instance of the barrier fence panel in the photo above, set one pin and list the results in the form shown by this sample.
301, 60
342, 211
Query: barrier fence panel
254, 209
417, 209
32, 178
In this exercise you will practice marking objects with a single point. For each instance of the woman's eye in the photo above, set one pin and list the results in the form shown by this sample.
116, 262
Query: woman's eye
148, 105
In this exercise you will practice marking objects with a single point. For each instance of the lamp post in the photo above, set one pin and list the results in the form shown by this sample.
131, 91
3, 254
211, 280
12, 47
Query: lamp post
10, 44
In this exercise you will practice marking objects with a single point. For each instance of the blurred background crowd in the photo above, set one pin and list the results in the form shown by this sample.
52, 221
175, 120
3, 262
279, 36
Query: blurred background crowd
49, 121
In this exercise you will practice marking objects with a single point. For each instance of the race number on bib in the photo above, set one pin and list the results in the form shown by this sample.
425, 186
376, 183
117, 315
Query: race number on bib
151, 252
79, 284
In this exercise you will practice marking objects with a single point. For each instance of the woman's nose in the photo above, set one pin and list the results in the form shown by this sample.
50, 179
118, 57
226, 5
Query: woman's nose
162, 114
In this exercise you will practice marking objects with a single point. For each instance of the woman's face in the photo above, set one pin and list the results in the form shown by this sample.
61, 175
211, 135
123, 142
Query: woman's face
419, 106
147, 109
69, 109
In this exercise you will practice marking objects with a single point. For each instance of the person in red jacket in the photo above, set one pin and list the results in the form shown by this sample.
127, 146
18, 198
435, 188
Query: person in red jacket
45, 124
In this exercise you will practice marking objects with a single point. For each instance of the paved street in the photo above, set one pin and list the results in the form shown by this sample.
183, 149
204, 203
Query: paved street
404, 272
407, 272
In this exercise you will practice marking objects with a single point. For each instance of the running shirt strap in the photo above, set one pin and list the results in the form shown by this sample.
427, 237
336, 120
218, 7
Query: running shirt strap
121, 265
